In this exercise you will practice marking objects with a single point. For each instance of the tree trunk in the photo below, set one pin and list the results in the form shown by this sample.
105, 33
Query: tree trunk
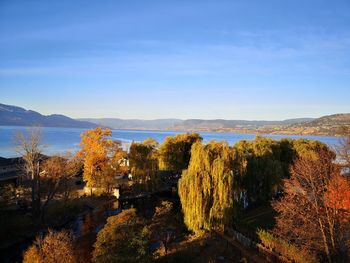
325, 243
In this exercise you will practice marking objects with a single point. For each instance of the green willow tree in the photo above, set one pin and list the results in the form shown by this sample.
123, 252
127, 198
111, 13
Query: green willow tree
267, 163
207, 187
143, 160
175, 152
264, 168
310, 148
221, 180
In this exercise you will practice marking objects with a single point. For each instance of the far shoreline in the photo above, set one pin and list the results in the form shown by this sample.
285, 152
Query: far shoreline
183, 131
60, 140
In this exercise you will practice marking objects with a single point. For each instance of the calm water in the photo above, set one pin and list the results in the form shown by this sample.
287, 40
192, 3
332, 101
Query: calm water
60, 140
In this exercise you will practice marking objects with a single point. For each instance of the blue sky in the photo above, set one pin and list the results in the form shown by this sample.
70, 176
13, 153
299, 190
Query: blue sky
179, 59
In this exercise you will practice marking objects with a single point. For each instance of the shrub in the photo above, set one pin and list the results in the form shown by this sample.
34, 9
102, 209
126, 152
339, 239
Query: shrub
284, 248
55, 247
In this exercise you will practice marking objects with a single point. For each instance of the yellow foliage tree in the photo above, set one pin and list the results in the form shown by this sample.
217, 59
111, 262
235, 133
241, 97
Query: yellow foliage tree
144, 163
206, 188
123, 239
175, 152
101, 157
55, 247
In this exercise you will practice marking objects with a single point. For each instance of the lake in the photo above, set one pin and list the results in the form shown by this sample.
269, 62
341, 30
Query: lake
61, 140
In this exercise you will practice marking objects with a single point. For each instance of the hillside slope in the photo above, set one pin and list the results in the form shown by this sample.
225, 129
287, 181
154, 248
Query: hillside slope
17, 116
326, 125
199, 124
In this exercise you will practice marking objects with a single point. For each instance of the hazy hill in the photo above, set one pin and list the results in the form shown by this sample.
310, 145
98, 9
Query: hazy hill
16, 116
326, 125
192, 124
330, 120
135, 124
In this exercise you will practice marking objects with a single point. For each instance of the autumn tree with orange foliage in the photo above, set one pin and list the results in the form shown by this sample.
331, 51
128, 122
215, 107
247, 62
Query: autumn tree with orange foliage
338, 195
56, 177
311, 210
102, 157
54, 247
48, 176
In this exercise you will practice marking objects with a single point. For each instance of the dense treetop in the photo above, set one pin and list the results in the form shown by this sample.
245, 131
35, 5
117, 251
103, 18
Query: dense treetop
175, 152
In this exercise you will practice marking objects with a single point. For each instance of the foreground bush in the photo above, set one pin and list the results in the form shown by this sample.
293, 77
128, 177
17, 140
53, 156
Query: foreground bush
284, 248
123, 239
54, 247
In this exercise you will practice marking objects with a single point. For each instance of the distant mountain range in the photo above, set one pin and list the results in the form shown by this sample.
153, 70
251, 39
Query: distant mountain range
134, 124
16, 116
232, 124
191, 124
326, 125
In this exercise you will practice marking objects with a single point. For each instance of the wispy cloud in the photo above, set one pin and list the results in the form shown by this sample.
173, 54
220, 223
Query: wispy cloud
169, 58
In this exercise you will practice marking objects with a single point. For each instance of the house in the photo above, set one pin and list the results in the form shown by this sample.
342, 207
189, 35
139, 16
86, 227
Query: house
10, 169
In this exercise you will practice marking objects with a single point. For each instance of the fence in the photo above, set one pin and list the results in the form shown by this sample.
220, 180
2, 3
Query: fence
267, 254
